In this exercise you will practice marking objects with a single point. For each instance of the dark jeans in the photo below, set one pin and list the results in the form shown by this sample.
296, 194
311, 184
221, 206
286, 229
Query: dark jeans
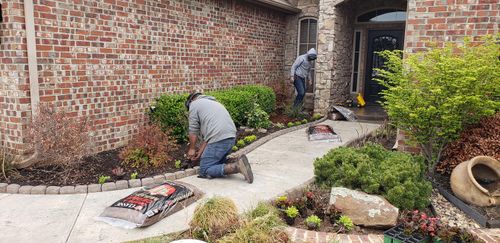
214, 157
300, 86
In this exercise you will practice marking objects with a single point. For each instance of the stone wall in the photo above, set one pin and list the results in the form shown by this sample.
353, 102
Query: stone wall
108, 60
449, 21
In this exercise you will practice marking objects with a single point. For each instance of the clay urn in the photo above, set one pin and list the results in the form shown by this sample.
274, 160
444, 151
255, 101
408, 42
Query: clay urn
477, 181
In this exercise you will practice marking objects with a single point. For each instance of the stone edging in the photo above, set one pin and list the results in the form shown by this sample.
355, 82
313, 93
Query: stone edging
125, 184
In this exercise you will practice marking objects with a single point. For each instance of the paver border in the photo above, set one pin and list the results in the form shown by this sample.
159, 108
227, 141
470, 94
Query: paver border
147, 181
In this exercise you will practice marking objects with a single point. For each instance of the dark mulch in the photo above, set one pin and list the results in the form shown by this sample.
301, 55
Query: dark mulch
492, 213
92, 167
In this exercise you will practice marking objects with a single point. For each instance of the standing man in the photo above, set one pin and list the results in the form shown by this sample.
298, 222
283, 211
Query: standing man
300, 72
210, 120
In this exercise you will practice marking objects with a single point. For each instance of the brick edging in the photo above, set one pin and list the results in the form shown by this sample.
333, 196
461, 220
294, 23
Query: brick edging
147, 181
302, 235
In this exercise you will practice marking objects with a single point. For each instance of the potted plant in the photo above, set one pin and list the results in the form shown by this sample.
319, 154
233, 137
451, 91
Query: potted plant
345, 224
313, 222
290, 214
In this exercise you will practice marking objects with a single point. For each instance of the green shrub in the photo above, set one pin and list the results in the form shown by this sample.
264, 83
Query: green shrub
346, 223
262, 209
133, 176
397, 176
257, 117
434, 95
241, 143
103, 179
292, 212
234, 148
317, 116
290, 124
263, 95
313, 219
170, 113
304, 121
250, 139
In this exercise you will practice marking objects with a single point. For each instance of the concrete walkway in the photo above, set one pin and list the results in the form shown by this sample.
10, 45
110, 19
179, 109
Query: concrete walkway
281, 164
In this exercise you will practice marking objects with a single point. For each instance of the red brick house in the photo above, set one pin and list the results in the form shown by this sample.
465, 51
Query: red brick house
108, 59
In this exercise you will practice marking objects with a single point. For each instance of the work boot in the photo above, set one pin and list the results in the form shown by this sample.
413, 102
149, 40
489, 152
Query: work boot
242, 166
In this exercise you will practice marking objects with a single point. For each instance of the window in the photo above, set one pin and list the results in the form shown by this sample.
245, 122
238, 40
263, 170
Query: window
383, 15
308, 30
355, 60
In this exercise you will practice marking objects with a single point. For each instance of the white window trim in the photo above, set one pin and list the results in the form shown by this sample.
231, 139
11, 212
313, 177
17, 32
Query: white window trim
298, 33
387, 22
359, 60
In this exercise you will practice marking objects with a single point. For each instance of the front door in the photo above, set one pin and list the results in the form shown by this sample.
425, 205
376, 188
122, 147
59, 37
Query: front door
379, 40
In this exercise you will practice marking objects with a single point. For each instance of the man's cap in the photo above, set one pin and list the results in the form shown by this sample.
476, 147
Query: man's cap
190, 98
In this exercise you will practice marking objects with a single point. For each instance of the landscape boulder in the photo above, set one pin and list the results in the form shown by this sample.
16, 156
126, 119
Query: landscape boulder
364, 209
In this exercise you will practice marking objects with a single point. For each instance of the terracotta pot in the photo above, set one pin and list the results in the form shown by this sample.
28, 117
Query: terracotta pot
477, 181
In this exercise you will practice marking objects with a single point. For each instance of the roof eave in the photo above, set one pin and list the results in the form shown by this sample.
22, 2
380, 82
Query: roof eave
276, 5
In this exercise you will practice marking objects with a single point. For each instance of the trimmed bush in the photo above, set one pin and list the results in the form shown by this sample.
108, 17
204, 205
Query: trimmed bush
397, 176
215, 218
170, 113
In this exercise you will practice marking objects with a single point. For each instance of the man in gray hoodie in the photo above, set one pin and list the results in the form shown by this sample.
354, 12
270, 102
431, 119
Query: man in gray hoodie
211, 121
300, 72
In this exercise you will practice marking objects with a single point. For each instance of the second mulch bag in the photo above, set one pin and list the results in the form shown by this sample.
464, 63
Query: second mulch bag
149, 205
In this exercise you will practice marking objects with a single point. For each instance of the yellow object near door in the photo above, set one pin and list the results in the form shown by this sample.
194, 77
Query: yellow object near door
361, 101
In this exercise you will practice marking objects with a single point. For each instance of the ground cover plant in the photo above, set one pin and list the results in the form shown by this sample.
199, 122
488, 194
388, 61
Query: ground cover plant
434, 95
397, 176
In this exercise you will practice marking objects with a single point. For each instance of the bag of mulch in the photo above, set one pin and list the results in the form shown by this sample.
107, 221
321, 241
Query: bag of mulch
322, 132
149, 205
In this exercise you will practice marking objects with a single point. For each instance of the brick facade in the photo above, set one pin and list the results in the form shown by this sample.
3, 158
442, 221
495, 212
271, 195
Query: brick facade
107, 60
449, 21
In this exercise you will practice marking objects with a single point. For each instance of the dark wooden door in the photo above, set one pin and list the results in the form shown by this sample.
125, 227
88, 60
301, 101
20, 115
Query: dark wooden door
379, 40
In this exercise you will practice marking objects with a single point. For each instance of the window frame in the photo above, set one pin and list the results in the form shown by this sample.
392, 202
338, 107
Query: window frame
382, 22
313, 69
353, 61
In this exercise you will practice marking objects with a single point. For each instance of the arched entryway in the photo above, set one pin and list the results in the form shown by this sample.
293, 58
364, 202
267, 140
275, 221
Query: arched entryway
350, 34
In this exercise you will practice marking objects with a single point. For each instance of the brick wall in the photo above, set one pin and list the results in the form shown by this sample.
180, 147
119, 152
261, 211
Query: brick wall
449, 21
14, 88
109, 59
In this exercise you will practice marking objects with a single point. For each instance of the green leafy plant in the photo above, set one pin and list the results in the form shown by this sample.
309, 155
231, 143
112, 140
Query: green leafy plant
150, 147
398, 176
133, 176
178, 164
292, 212
234, 148
290, 124
345, 223
295, 112
317, 116
304, 121
434, 95
279, 125
313, 222
297, 123
282, 202
103, 179
170, 113
241, 143
250, 139
258, 118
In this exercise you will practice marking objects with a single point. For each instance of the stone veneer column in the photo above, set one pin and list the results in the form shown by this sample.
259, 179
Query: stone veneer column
324, 63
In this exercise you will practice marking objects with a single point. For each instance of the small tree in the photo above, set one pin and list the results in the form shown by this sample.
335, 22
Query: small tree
433, 95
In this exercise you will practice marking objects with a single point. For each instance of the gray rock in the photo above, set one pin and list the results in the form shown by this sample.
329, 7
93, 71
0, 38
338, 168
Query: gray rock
53, 190
25, 190
39, 189
190, 172
134, 183
364, 209
262, 130
170, 176
180, 174
159, 179
108, 186
94, 188
122, 184
67, 190
81, 189
249, 130
13, 188
3, 187
148, 181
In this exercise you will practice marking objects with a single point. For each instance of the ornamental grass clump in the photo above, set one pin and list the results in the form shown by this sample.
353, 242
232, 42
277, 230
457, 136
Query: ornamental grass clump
398, 176
215, 218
